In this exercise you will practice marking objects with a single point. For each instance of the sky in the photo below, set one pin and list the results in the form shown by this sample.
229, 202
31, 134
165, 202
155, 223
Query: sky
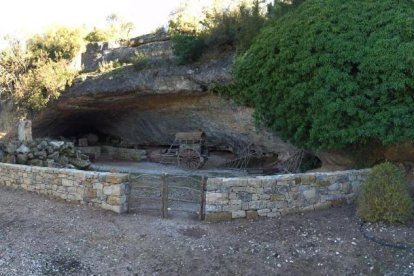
22, 18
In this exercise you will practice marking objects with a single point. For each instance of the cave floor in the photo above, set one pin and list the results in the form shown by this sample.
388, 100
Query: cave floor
158, 169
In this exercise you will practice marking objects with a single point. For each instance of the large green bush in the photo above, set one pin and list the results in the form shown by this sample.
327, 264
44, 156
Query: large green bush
384, 196
334, 73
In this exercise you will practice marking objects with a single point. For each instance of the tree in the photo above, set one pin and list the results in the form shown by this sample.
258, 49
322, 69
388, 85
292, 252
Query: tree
117, 29
332, 73
32, 79
60, 43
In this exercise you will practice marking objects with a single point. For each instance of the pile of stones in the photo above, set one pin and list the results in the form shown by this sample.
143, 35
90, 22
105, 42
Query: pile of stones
43, 153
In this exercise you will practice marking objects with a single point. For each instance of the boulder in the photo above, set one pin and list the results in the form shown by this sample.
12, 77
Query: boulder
80, 164
21, 158
57, 145
23, 149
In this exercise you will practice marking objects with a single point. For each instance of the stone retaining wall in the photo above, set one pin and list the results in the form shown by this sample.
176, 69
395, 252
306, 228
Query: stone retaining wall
109, 191
272, 196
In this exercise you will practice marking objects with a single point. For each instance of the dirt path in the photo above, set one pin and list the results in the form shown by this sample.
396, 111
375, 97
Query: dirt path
39, 236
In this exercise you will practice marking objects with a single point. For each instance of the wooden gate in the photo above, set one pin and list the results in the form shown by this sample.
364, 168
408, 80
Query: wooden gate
167, 193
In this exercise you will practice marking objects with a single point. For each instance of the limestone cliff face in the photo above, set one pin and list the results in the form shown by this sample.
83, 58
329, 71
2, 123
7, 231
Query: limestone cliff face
148, 107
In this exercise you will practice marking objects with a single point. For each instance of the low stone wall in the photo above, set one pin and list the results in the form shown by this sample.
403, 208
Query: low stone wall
109, 191
272, 196
113, 153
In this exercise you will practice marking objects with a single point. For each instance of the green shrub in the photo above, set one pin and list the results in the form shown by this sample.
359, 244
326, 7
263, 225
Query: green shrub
97, 35
187, 48
334, 73
384, 196
42, 83
235, 28
106, 66
140, 62
61, 43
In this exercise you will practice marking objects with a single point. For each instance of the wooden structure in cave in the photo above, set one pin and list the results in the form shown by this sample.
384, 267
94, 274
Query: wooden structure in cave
188, 150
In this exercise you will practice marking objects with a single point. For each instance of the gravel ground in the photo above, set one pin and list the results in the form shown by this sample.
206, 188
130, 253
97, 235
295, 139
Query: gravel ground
39, 236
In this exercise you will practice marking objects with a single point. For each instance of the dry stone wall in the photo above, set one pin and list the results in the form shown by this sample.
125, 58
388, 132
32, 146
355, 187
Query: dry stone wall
109, 191
272, 196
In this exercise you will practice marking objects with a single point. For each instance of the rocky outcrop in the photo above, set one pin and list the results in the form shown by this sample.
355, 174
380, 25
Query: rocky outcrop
149, 106
148, 46
43, 153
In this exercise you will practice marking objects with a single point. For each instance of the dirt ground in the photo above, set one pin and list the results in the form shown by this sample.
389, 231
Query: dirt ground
40, 236
153, 168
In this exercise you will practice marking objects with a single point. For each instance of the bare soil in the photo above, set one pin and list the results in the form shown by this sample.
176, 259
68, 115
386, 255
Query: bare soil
40, 236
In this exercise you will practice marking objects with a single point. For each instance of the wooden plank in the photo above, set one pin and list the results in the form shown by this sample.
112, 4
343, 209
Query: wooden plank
201, 214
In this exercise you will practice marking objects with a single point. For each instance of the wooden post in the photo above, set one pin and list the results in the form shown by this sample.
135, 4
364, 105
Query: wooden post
164, 196
203, 198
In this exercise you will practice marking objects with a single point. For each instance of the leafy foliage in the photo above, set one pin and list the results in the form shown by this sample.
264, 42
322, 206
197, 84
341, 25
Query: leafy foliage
32, 79
42, 83
384, 196
97, 35
117, 29
61, 43
334, 73
231, 29
187, 48
106, 66
235, 28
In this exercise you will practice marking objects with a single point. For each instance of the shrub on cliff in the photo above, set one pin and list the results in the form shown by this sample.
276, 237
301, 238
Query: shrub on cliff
384, 196
61, 43
334, 73
187, 48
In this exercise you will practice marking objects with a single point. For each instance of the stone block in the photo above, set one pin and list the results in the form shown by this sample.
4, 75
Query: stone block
238, 214
263, 212
217, 198
334, 187
252, 215
259, 204
346, 188
116, 209
116, 178
274, 214
114, 200
232, 207
214, 208
255, 183
278, 197
219, 216
310, 195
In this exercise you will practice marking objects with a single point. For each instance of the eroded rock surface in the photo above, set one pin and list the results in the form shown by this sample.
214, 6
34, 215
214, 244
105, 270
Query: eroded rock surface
148, 107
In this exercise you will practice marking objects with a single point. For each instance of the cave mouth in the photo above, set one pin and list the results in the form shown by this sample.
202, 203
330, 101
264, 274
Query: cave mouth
143, 135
